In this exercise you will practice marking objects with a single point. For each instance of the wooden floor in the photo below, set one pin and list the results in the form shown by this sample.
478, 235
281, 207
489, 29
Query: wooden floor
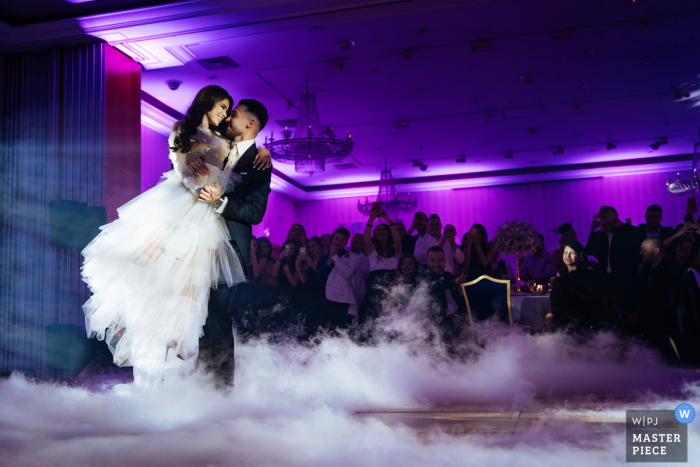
551, 414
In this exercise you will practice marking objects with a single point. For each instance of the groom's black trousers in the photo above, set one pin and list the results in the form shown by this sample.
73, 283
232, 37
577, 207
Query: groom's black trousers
220, 324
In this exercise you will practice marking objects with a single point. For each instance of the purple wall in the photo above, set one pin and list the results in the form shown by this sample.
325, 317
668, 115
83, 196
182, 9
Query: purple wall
154, 157
281, 213
546, 205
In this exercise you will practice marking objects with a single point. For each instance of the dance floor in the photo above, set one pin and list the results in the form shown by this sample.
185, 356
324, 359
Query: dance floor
596, 413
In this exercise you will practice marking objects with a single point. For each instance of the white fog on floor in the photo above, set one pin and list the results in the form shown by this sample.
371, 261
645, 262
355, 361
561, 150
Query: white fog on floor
297, 403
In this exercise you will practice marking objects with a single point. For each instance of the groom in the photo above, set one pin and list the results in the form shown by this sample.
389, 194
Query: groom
242, 208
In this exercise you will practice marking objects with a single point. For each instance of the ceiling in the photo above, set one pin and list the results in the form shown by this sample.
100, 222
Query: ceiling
579, 75
40, 11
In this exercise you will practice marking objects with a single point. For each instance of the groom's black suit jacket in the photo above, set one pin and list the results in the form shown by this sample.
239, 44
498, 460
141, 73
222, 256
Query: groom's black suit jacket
246, 204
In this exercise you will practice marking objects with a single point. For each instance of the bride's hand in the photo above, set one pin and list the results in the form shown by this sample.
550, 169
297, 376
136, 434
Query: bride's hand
262, 160
198, 167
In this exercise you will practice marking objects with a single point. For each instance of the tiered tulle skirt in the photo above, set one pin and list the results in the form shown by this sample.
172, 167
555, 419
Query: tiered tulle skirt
150, 273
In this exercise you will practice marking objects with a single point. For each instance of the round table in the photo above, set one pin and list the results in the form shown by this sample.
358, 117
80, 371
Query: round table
530, 310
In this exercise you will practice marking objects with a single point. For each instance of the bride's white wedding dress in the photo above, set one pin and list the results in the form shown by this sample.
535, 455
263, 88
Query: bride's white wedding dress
151, 270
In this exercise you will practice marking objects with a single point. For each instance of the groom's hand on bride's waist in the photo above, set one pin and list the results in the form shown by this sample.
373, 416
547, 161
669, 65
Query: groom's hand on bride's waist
198, 167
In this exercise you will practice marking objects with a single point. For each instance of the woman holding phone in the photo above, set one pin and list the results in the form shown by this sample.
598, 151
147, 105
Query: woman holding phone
383, 247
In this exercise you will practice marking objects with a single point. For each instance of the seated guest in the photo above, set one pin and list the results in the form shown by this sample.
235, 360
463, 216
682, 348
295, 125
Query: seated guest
476, 252
658, 289
407, 271
683, 251
326, 242
681, 231
653, 227
500, 269
444, 288
539, 265
577, 296
383, 249
420, 225
344, 284
445, 240
568, 234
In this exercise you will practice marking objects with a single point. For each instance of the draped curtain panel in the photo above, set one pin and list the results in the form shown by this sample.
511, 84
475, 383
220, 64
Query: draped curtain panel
53, 148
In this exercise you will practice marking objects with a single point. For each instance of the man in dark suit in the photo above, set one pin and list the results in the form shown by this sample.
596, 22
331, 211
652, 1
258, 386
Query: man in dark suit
616, 248
653, 227
242, 208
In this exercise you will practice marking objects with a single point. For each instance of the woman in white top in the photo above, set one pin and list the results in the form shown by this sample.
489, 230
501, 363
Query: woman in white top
383, 249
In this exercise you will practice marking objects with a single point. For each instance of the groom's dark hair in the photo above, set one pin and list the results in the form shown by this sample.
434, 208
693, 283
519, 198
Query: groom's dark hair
257, 109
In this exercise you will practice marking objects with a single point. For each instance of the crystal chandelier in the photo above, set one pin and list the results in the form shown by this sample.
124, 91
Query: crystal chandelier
312, 146
388, 199
691, 185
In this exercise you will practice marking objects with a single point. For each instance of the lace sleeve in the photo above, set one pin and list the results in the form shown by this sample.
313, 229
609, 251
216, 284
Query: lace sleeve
179, 160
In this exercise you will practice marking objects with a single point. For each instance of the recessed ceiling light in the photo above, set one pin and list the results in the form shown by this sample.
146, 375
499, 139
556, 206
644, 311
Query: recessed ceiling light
590, 51
345, 45
650, 63
466, 66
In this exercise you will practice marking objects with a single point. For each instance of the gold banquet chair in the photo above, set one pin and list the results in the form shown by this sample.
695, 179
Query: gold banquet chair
487, 297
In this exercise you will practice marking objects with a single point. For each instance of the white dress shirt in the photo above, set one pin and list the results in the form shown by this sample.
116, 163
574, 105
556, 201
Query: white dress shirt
234, 155
425, 243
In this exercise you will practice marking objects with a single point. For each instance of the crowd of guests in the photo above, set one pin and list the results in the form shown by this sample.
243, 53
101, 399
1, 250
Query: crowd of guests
639, 280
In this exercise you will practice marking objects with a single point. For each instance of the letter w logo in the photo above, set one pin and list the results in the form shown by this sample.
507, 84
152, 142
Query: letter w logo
685, 413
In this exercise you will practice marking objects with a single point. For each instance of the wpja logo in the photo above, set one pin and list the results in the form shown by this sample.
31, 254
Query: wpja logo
658, 435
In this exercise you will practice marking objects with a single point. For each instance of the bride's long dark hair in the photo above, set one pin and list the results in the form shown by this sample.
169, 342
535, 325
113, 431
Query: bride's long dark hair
205, 100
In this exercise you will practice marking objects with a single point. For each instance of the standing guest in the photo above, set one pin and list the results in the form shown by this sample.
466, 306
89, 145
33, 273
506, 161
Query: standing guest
616, 245
309, 261
343, 284
311, 294
445, 240
616, 249
477, 255
658, 289
653, 227
538, 266
567, 234
402, 231
297, 231
420, 225
383, 248
287, 281
500, 269
262, 262
577, 296
326, 242
357, 245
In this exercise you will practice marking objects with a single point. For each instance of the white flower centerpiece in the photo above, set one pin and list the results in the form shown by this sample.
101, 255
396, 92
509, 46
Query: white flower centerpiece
516, 238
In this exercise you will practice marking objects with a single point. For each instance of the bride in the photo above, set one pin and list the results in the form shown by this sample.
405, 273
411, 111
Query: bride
150, 271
